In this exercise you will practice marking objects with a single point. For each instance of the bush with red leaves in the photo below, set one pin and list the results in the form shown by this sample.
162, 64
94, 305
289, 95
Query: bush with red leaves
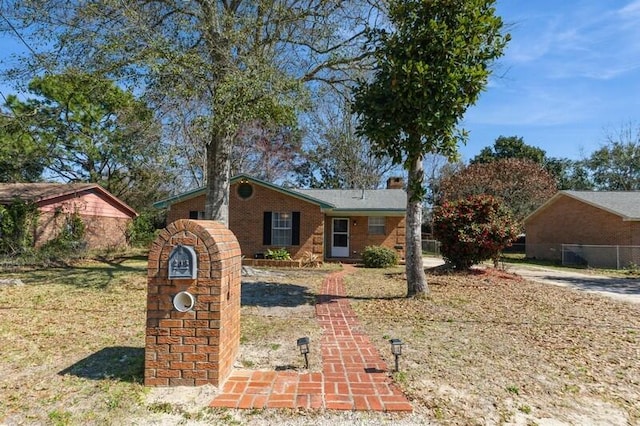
473, 230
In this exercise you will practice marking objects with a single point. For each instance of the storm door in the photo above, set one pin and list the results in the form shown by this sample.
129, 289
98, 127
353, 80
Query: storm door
340, 238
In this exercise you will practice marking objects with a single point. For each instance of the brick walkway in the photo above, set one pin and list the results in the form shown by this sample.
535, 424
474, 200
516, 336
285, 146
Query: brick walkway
353, 377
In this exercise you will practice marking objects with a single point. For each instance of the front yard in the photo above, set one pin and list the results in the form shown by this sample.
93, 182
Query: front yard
484, 348
491, 348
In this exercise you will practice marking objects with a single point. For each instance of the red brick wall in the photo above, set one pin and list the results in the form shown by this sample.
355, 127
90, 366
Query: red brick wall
246, 219
569, 221
181, 210
105, 222
359, 236
196, 347
100, 231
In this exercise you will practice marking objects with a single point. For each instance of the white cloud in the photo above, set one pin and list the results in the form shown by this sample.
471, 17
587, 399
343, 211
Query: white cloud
632, 10
589, 41
531, 106
571, 67
527, 46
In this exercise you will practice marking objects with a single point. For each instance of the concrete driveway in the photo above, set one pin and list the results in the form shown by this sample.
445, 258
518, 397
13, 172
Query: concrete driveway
626, 289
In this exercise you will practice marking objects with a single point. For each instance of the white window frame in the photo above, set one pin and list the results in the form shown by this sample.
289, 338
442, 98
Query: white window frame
281, 229
376, 225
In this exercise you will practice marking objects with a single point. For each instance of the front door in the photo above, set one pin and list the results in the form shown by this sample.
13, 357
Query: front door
340, 238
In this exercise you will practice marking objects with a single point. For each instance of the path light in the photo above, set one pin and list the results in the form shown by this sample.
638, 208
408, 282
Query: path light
303, 344
396, 350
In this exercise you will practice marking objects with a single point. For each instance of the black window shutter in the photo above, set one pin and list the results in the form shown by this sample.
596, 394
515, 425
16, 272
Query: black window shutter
295, 229
266, 229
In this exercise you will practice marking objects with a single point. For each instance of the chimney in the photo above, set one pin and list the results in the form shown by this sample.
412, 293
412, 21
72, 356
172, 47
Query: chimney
395, 183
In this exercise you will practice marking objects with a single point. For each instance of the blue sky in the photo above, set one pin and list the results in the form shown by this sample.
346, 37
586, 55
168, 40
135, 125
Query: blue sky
569, 77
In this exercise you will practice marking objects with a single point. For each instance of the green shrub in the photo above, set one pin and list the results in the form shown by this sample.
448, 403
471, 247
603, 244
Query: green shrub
69, 243
379, 257
143, 230
16, 221
278, 254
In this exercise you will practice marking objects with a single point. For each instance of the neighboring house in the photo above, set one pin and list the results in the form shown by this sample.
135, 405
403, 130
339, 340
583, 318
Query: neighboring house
105, 217
330, 223
585, 218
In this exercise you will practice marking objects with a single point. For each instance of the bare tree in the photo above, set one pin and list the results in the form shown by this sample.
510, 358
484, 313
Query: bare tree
616, 165
233, 61
335, 156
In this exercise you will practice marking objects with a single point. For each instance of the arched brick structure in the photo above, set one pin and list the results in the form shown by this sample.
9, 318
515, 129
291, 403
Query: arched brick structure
198, 346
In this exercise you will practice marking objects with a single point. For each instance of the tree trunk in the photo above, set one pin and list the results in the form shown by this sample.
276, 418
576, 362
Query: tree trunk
218, 179
416, 278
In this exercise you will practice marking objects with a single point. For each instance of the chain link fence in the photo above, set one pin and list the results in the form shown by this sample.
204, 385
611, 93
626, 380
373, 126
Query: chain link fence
595, 256
601, 256
431, 247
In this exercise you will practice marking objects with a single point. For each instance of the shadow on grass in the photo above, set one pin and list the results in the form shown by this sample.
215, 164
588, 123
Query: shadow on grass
119, 362
269, 295
92, 276
332, 298
118, 260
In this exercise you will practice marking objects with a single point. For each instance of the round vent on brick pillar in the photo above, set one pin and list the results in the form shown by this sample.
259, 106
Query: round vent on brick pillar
184, 301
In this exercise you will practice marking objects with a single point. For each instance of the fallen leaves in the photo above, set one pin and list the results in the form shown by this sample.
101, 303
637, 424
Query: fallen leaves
482, 332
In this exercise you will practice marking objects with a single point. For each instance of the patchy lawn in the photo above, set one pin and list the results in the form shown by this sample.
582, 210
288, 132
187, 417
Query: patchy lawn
278, 306
490, 348
486, 348
73, 344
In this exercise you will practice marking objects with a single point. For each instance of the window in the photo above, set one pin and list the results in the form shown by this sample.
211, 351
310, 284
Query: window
245, 190
281, 229
376, 225
194, 214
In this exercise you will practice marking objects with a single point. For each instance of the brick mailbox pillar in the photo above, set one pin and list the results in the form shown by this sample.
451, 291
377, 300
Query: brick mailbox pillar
193, 305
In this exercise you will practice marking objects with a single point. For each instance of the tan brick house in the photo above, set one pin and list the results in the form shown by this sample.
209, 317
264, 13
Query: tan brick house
105, 217
333, 224
589, 218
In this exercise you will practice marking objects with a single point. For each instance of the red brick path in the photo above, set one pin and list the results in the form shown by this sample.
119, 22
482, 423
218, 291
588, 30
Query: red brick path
353, 377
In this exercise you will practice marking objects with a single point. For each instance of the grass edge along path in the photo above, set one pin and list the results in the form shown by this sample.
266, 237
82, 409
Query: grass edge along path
353, 377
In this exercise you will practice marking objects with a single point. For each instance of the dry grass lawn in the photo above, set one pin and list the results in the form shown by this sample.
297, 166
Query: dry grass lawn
490, 348
72, 346
484, 348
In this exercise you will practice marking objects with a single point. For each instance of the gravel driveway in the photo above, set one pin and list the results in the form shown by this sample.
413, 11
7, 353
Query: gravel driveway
627, 289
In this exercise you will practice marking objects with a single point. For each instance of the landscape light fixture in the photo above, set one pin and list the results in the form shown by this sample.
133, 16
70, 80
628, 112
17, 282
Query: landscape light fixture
303, 345
396, 350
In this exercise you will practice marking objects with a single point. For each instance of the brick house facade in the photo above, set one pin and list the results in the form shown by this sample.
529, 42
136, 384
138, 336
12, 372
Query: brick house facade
104, 216
332, 224
583, 217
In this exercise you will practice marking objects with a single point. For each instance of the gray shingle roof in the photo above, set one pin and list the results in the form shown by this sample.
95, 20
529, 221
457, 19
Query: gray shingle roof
34, 192
621, 203
390, 202
383, 200
42, 192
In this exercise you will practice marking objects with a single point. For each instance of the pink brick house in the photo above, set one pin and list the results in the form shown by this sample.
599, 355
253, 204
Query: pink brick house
105, 217
333, 224
598, 218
